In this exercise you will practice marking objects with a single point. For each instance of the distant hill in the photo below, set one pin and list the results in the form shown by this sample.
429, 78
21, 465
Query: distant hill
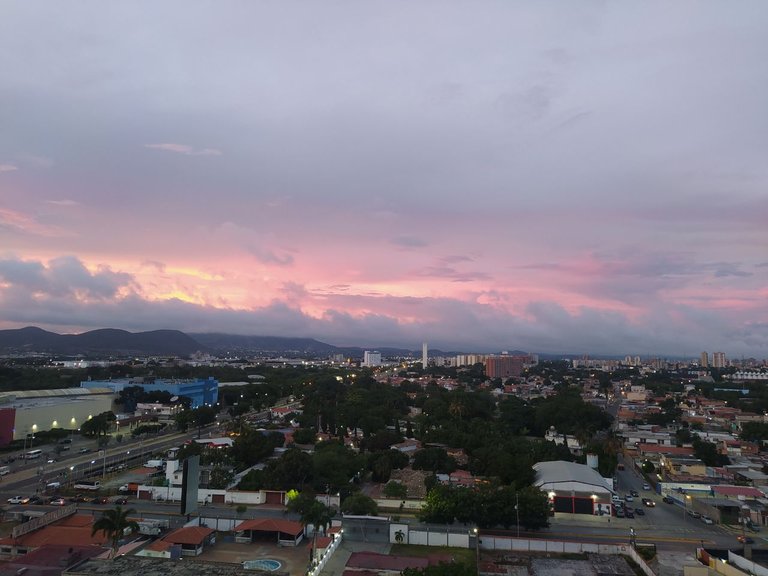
100, 342
113, 342
237, 344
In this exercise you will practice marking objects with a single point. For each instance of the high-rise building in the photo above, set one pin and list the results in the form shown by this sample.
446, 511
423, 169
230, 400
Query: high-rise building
371, 358
504, 366
719, 360
424, 355
704, 361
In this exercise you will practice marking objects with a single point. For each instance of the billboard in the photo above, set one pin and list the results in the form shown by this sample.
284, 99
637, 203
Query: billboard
189, 484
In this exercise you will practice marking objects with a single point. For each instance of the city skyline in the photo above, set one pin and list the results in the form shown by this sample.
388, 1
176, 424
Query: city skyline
559, 178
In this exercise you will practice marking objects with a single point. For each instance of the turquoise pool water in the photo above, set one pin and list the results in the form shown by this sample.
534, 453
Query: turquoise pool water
262, 564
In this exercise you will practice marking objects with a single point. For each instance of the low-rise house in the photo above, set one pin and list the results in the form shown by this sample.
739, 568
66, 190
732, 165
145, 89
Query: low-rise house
192, 539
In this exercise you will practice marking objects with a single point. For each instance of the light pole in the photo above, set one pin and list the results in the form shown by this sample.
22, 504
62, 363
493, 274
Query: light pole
517, 513
477, 551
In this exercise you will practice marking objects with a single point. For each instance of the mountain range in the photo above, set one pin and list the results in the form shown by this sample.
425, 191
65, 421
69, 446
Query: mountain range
113, 342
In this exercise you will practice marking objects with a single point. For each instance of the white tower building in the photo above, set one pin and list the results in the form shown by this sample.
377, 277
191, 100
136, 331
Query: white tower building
424, 355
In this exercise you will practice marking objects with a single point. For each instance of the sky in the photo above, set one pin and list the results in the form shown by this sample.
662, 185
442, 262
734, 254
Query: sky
559, 177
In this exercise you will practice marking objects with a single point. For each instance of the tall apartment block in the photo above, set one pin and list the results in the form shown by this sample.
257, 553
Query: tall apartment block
704, 361
719, 360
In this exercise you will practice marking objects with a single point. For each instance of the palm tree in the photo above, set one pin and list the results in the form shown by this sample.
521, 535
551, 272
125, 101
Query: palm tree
113, 523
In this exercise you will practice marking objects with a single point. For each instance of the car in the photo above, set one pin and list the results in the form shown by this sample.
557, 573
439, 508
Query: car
639, 511
694, 514
634, 493
84, 450
58, 502
619, 512
35, 500
707, 520
77, 498
121, 501
648, 502
66, 441
100, 500
629, 513
629, 498
51, 460
616, 498
18, 500
646, 486
668, 500
745, 540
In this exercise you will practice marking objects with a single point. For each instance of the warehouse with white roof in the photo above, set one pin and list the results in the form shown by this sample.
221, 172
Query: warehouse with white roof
574, 488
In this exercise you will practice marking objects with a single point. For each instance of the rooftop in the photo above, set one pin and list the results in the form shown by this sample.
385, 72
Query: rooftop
139, 566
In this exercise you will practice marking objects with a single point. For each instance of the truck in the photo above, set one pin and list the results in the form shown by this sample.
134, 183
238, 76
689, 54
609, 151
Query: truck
154, 463
151, 527
129, 488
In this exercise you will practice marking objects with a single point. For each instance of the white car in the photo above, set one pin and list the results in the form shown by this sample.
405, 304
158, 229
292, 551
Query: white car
629, 498
707, 520
646, 486
18, 500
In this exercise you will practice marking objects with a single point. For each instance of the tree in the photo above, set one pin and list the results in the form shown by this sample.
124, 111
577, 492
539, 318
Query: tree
395, 490
359, 504
113, 524
98, 425
220, 478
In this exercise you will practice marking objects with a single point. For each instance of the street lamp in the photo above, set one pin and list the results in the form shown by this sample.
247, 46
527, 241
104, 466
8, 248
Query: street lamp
477, 550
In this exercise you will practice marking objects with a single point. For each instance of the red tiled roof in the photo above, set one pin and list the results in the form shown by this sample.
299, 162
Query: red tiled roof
71, 531
323, 541
376, 561
159, 546
738, 491
271, 525
659, 449
192, 535
56, 555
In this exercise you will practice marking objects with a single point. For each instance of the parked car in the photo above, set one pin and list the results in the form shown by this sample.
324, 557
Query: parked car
694, 514
84, 450
66, 441
745, 540
668, 500
634, 493
639, 511
629, 498
707, 520
18, 500
619, 512
646, 486
629, 513
648, 502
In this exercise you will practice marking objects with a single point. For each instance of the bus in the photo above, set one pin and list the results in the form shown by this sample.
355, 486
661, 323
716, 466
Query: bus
33, 454
87, 485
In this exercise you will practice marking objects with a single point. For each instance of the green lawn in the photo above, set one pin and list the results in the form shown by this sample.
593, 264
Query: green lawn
463, 555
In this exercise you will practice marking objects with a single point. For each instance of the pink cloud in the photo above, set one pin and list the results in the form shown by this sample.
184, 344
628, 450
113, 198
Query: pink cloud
184, 149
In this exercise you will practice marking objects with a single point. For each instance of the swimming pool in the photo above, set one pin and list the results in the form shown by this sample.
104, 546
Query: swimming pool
262, 564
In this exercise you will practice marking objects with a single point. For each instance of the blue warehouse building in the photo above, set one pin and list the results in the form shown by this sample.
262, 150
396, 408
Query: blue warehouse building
200, 391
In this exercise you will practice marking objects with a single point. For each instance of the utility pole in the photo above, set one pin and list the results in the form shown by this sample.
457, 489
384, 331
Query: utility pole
517, 513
